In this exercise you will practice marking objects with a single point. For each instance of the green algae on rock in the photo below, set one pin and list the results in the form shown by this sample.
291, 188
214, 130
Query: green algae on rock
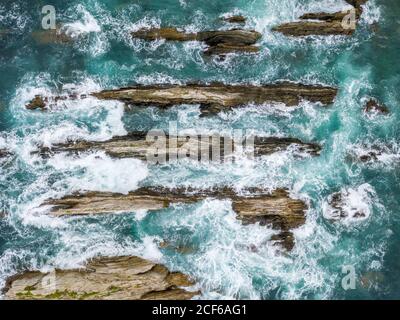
103, 278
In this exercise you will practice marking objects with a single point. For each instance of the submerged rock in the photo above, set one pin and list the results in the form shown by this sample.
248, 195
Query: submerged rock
284, 239
52, 36
105, 278
373, 106
4, 153
350, 204
224, 49
235, 19
195, 147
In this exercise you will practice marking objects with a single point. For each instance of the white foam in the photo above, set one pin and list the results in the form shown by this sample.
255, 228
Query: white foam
355, 205
86, 24
101, 173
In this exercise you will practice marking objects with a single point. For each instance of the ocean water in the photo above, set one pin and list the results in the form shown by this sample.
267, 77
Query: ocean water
104, 56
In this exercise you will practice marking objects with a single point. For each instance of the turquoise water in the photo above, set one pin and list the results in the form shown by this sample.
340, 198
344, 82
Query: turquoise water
103, 56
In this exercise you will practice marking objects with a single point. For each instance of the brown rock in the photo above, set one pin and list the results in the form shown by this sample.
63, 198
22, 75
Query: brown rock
106, 278
172, 34
307, 28
37, 103
220, 96
323, 16
215, 97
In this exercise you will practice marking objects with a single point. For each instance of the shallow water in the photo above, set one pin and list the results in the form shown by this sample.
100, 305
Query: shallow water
104, 56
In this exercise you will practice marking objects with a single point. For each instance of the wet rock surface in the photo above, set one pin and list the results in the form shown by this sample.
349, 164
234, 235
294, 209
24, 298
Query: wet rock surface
196, 147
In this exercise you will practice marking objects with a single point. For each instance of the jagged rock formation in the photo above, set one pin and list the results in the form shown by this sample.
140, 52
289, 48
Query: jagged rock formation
197, 147
105, 278
235, 39
326, 24
373, 106
37, 103
256, 206
217, 97
212, 98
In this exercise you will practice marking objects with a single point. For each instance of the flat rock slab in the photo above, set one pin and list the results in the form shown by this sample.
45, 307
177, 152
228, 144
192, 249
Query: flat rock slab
324, 23
196, 147
106, 278
218, 97
307, 28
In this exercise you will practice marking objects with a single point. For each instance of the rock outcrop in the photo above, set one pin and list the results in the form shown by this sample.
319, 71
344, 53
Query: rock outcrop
323, 23
235, 39
212, 98
373, 106
255, 206
197, 147
307, 28
104, 278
